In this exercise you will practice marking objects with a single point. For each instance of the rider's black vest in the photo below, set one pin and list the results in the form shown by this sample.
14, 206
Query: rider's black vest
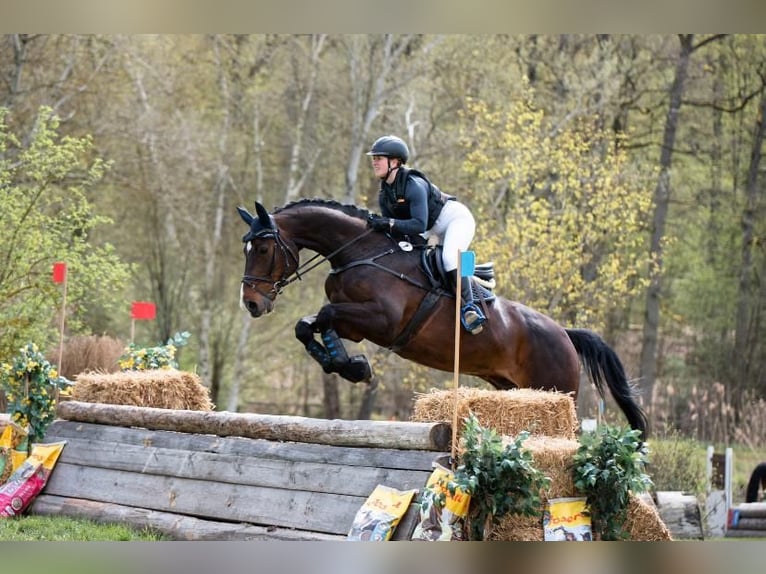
394, 196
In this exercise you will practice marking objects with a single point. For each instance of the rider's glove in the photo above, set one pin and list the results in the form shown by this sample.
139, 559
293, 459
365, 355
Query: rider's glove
379, 223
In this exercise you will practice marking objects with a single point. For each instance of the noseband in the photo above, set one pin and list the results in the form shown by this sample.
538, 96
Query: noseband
284, 279
288, 277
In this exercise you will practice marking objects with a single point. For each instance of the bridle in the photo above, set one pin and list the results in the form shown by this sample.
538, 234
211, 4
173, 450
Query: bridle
287, 255
287, 277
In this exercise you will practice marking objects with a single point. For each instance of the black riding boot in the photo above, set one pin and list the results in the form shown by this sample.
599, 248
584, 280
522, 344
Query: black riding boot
470, 315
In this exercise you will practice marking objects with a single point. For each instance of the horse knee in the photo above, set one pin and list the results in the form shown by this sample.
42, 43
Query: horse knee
325, 318
304, 331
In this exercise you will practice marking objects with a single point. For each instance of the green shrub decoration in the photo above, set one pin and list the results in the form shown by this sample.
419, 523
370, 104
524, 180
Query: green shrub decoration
501, 480
608, 466
137, 358
29, 382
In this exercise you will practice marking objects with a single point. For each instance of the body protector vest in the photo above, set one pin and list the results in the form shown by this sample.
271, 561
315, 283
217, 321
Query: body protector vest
395, 200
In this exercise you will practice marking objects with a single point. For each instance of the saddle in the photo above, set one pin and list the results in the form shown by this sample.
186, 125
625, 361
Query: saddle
482, 284
482, 281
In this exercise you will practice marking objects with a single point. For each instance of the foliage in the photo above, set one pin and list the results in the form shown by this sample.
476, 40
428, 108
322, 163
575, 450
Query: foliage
137, 358
567, 202
608, 466
500, 479
64, 529
29, 382
46, 217
677, 463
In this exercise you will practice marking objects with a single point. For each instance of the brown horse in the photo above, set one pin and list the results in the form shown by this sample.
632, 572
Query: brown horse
378, 290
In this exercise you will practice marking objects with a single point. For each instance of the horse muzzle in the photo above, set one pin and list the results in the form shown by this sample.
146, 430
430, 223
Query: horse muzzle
257, 305
256, 310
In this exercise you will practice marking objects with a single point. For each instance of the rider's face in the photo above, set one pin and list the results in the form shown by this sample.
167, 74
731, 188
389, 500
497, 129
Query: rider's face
380, 165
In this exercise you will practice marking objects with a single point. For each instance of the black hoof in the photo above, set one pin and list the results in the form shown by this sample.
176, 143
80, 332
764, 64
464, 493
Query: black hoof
356, 370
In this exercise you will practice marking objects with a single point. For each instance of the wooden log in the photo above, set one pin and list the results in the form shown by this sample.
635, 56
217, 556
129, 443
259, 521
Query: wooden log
385, 434
681, 514
318, 512
737, 533
282, 473
751, 510
238, 446
748, 523
174, 526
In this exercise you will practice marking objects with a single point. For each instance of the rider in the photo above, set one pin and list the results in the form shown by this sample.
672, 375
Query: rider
412, 205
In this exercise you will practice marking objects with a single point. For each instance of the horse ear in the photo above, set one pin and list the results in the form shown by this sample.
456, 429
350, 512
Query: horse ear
263, 216
245, 215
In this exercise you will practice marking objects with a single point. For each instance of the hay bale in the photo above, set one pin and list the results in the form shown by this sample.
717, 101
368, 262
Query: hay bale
542, 413
554, 456
644, 522
159, 388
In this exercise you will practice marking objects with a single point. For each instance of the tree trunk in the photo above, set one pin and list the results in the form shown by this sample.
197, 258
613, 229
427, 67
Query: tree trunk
296, 178
368, 400
745, 339
331, 397
661, 201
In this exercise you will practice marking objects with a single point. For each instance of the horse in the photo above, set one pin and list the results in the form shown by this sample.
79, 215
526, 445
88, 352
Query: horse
380, 290
756, 483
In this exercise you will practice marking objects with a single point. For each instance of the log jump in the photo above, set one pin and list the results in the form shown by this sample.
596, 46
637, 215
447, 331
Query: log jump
231, 476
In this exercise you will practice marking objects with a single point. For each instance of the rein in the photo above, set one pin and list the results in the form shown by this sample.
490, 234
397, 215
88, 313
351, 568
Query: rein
278, 286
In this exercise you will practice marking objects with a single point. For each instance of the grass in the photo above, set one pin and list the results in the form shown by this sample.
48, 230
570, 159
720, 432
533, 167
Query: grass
63, 529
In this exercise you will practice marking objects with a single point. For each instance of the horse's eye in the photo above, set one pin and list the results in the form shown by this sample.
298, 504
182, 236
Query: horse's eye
262, 249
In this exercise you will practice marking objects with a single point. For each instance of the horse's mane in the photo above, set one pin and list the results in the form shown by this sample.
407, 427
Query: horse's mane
345, 208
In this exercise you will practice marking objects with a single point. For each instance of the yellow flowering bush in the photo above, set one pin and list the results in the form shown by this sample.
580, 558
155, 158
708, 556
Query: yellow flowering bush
30, 382
138, 358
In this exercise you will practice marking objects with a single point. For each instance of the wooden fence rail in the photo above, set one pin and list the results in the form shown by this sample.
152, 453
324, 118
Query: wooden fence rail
206, 475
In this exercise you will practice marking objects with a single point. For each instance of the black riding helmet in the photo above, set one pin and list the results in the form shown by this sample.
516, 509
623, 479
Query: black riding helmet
390, 146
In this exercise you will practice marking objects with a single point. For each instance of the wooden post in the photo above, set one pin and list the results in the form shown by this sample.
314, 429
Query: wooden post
456, 374
61, 338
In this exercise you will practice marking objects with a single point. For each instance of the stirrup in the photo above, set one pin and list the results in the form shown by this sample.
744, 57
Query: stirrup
472, 319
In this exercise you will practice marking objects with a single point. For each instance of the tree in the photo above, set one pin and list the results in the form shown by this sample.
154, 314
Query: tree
563, 214
46, 217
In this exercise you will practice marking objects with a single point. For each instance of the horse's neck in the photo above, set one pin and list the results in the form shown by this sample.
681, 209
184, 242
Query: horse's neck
324, 235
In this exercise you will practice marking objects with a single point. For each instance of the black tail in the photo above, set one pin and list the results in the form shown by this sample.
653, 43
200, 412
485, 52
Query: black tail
604, 366
757, 480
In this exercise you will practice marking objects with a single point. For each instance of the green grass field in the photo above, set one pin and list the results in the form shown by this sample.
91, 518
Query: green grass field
62, 529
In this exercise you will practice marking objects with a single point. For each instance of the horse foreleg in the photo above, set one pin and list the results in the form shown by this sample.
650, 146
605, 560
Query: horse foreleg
332, 355
304, 332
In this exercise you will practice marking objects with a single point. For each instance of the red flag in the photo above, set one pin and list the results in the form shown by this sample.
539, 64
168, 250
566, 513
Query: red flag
143, 310
59, 272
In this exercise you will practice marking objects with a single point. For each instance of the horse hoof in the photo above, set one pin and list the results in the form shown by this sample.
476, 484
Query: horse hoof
356, 370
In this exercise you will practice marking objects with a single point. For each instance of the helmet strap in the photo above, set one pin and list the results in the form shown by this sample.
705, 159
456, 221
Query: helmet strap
390, 169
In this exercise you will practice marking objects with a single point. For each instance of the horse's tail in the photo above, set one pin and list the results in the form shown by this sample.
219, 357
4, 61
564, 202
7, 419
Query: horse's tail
757, 480
604, 366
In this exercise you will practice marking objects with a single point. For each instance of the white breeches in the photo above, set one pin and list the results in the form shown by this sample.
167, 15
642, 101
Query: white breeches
454, 229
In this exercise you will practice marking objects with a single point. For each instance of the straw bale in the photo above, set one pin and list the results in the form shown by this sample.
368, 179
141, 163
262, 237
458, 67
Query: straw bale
644, 522
555, 457
159, 388
542, 413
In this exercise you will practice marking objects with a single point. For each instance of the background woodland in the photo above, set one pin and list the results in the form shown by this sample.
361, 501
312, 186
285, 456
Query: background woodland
617, 183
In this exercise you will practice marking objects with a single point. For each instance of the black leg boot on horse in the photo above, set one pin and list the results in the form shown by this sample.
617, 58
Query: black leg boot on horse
470, 315
332, 355
354, 369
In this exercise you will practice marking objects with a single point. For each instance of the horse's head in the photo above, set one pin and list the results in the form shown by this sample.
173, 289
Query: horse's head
269, 261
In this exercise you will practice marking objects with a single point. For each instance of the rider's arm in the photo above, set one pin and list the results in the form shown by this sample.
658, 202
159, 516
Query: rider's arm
416, 192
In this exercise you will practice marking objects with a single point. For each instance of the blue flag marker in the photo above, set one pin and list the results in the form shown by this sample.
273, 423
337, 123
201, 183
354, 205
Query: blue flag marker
467, 263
